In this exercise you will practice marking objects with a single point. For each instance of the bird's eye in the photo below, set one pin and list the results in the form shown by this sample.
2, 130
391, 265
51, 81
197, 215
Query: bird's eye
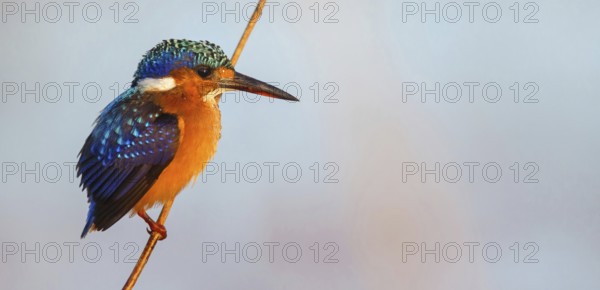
204, 71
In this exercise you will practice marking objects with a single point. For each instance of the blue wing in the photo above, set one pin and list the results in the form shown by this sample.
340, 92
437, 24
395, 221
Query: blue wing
132, 143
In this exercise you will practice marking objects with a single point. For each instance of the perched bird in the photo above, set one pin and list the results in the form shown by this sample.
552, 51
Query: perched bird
152, 140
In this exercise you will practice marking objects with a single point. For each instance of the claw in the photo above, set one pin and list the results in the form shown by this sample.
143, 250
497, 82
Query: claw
154, 226
159, 229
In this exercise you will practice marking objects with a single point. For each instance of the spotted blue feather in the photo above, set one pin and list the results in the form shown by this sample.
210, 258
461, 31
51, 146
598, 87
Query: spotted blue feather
132, 142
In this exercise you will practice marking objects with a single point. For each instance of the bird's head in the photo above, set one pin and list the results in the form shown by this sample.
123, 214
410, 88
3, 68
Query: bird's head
196, 68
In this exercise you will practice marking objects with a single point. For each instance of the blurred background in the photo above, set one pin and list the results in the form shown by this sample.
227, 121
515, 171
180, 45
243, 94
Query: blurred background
437, 145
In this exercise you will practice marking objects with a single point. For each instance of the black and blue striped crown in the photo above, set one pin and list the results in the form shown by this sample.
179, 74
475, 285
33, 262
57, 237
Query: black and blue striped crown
175, 53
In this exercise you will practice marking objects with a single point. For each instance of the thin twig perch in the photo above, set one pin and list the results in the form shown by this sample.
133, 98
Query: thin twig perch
145, 256
148, 249
255, 17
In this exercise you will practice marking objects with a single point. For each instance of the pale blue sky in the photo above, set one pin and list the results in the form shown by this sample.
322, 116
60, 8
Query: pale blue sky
365, 141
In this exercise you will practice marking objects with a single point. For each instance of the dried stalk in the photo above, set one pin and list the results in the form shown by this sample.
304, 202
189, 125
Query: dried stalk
255, 17
137, 270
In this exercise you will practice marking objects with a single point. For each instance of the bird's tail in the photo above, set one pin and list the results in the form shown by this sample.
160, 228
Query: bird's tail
89, 224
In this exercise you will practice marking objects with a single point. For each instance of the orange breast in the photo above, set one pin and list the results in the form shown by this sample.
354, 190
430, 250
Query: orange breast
200, 131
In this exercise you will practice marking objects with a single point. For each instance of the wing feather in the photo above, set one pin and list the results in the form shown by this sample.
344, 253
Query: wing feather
132, 143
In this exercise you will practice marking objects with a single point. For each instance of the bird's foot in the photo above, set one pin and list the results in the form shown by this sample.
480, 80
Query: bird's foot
159, 229
154, 226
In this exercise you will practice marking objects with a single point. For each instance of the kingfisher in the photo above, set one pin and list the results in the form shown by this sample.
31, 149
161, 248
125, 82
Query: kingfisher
158, 135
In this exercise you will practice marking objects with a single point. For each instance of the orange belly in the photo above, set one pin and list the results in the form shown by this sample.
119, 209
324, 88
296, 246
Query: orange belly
200, 132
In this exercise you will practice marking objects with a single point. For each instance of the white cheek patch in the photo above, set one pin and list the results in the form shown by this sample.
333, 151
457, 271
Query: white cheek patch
210, 97
156, 85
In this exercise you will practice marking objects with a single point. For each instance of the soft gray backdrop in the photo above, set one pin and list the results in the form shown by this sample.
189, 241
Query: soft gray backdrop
370, 218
